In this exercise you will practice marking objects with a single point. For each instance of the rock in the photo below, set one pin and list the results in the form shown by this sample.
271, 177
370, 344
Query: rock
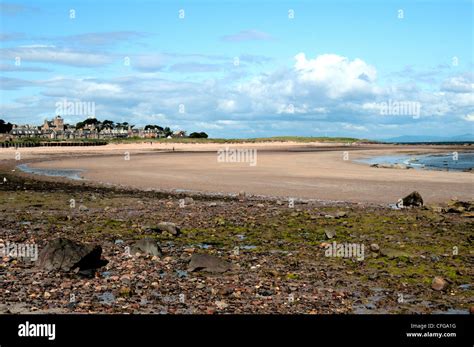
374, 247
439, 284
330, 233
125, 292
242, 195
146, 246
213, 204
456, 206
83, 208
341, 214
66, 255
169, 227
221, 305
188, 201
260, 205
412, 199
208, 263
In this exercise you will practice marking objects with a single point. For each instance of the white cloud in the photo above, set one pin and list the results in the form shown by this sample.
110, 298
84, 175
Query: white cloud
335, 74
48, 54
469, 117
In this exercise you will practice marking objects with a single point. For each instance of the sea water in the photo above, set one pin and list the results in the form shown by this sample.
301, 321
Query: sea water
463, 161
73, 174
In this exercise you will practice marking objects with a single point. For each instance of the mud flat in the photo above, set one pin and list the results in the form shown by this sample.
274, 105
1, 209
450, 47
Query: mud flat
310, 171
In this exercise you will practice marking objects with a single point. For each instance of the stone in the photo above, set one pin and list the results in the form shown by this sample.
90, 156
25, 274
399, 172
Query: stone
146, 246
169, 227
330, 233
221, 305
188, 201
208, 263
412, 199
341, 214
65, 255
374, 247
439, 284
83, 208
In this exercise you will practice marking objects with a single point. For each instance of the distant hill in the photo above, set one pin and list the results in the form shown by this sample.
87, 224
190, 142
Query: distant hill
424, 138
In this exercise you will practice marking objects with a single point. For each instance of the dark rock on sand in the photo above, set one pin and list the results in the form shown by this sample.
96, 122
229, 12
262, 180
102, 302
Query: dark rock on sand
413, 199
66, 255
208, 263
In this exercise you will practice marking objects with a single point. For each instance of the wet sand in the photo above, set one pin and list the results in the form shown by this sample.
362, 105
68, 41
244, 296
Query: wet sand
308, 171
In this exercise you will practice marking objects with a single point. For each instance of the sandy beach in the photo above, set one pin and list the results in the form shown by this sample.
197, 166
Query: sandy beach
321, 171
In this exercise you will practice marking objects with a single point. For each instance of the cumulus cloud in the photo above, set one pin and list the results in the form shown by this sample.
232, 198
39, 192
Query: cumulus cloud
336, 75
459, 84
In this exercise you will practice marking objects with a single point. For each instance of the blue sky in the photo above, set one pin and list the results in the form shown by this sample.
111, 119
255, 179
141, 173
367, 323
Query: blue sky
244, 68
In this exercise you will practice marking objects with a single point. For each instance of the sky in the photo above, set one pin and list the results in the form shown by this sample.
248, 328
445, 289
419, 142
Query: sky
239, 69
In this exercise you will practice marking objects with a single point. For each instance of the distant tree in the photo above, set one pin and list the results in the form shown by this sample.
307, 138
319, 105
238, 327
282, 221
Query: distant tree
201, 135
5, 127
88, 121
167, 131
91, 121
108, 124
153, 127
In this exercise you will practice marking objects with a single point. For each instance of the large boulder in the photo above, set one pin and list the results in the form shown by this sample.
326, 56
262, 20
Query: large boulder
208, 263
146, 246
412, 199
65, 255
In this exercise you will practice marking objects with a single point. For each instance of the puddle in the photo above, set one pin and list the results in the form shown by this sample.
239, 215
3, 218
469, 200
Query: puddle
73, 174
370, 307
